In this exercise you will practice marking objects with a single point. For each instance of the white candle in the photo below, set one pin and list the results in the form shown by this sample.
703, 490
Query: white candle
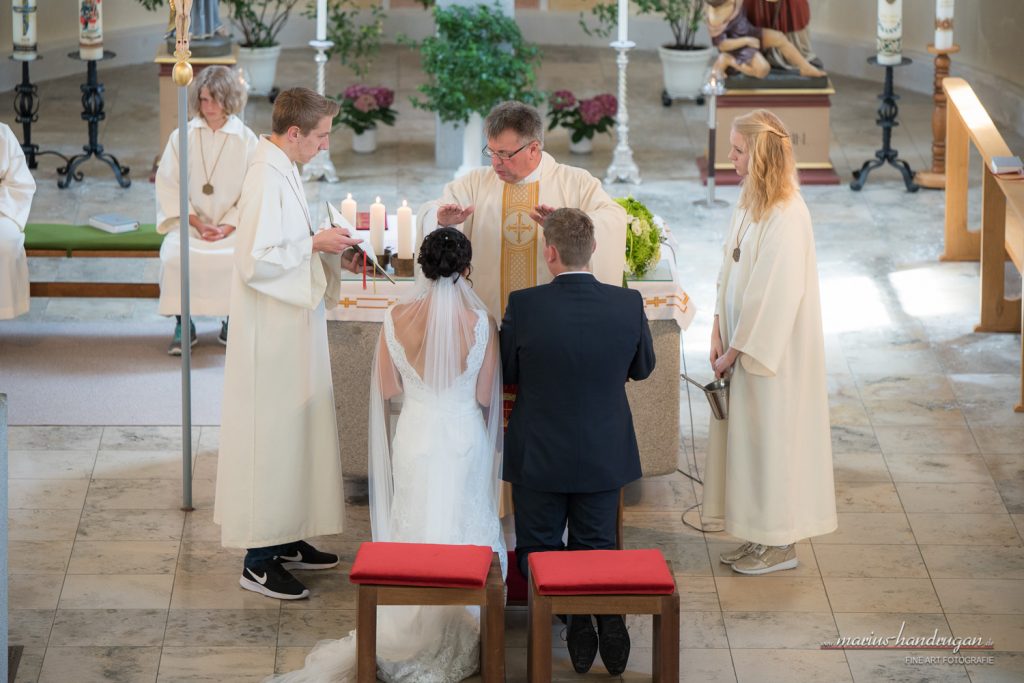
348, 209
321, 19
404, 230
943, 24
890, 31
24, 29
623, 20
90, 29
377, 217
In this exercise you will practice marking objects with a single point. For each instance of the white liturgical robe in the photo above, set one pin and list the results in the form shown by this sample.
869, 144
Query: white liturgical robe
769, 465
492, 224
16, 190
217, 161
279, 469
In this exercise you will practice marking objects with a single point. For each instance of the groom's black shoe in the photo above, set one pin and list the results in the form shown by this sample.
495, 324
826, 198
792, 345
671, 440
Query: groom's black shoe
302, 555
582, 642
614, 642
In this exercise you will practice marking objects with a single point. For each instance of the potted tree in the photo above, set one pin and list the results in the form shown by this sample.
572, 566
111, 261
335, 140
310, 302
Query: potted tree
260, 22
477, 59
683, 62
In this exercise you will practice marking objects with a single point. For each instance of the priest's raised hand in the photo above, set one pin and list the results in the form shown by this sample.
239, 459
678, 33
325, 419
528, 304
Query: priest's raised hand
453, 214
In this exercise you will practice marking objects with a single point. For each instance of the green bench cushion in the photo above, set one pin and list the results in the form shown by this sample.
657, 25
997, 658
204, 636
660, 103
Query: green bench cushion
54, 236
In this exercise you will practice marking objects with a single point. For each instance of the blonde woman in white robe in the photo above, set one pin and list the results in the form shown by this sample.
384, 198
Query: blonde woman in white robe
220, 147
16, 190
769, 466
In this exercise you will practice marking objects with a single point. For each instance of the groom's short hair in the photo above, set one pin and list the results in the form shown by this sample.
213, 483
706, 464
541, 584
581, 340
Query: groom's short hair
571, 232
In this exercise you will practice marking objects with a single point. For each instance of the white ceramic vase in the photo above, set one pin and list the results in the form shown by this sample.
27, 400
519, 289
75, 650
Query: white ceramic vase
365, 142
684, 71
261, 65
584, 146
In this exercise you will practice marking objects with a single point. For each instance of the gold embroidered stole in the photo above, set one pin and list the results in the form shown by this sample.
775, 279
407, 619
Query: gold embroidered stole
518, 239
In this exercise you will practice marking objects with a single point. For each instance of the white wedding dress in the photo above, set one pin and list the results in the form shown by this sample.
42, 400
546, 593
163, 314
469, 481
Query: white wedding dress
436, 482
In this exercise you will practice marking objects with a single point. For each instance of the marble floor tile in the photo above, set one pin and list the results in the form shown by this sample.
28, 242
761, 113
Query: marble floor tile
961, 498
950, 529
881, 595
241, 664
1007, 667
889, 624
860, 467
30, 664
328, 589
304, 628
697, 594
870, 561
55, 438
131, 525
771, 593
67, 494
199, 526
932, 440
687, 559
868, 667
867, 497
939, 469
40, 464
145, 439
973, 562
907, 387
134, 494
38, 557
122, 464
697, 630
659, 494
124, 557
808, 566
217, 591
1006, 631
43, 525
290, 659
869, 528
1000, 439
116, 591
221, 628
854, 439
109, 627
100, 664
790, 666
29, 628
981, 596
211, 558
780, 630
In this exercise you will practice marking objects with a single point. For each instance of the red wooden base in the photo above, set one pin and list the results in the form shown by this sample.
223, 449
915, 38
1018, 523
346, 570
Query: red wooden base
807, 176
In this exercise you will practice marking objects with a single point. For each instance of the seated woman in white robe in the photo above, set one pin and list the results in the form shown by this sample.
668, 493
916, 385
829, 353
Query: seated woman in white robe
16, 189
219, 149
437, 480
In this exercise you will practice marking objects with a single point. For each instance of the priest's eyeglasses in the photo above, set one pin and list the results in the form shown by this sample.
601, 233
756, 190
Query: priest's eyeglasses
505, 156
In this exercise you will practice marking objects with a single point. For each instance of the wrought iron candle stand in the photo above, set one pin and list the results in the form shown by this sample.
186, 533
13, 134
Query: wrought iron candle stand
623, 168
320, 167
92, 111
887, 112
26, 109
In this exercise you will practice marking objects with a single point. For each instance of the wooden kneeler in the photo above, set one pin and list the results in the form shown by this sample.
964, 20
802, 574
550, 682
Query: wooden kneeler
427, 574
603, 582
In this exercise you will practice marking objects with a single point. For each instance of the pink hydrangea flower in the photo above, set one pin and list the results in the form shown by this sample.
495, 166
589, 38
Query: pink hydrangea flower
562, 99
365, 103
383, 96
609, 104
591, 111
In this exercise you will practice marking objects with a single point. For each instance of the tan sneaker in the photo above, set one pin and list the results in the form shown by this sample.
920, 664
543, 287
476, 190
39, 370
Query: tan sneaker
766, 559
737, 553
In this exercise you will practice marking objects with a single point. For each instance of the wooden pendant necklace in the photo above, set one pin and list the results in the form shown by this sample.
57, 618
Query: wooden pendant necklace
740, 236
208, 186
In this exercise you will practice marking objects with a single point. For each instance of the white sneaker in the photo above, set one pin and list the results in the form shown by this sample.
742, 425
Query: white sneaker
766, 559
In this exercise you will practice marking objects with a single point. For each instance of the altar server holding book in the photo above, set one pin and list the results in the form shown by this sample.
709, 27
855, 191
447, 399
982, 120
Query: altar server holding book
220, 147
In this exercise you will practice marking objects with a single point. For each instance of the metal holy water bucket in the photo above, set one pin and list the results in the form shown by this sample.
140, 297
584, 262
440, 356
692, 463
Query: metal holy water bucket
717, 393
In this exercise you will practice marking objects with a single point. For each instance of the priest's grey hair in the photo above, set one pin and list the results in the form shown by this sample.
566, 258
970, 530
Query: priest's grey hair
224, 87
571, 232
516, 116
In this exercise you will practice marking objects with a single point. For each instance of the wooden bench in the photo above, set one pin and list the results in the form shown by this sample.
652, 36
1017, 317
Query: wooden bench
1001, 236
83, 241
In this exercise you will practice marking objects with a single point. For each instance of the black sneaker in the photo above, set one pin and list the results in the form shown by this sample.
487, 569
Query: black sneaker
582, 642
614, 642
223, 336
272, 580
302, 555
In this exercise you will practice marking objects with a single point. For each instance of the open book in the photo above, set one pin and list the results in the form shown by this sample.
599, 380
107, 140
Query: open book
364, 247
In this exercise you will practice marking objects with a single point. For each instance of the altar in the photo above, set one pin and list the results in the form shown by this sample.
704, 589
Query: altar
354, 324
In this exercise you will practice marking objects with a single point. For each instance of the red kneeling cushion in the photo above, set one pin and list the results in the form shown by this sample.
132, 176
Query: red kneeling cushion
422, 564
601, 572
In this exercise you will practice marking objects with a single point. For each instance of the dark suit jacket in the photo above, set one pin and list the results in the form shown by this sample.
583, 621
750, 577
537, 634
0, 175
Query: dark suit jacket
570, 346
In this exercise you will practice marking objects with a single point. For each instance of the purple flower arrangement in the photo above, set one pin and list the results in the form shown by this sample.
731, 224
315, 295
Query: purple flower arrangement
363, 106
582, 117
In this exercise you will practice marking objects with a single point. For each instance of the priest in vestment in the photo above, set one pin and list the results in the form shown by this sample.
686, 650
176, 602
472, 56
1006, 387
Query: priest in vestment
16, 190
279, 469
500, 208
769, 465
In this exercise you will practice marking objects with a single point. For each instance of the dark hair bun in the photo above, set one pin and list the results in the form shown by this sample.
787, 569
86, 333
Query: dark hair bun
444, 252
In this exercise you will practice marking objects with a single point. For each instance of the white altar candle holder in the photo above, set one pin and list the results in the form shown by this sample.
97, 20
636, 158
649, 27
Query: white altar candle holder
711, 90
623, 169
321, 167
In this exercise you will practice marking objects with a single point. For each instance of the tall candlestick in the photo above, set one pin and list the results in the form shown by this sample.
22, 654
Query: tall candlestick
321, 19
890, 31
404, 230
23, 27
377, 217
90, 29
623, 20
943, 24
348, 209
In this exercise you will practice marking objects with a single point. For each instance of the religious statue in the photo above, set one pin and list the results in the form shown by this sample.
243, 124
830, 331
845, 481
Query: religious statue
792, 17
209, 38
741, 44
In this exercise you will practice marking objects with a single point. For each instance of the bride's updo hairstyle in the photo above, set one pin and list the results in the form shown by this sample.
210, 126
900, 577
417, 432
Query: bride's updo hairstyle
445, 252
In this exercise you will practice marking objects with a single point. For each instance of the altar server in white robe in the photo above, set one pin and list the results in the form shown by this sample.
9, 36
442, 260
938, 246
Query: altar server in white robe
219, 147
16, 189
279, 469
769, 465
501, 207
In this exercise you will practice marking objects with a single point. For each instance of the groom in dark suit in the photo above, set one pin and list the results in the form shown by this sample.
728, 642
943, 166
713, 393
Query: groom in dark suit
571, 345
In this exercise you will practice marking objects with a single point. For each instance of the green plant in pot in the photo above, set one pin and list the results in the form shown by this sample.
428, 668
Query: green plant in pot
260, 22
477, 59
684, 62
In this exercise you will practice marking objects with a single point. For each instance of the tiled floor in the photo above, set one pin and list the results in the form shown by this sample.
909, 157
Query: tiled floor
110, 581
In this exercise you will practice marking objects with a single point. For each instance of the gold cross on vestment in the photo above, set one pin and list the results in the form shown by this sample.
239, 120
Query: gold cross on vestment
519, 227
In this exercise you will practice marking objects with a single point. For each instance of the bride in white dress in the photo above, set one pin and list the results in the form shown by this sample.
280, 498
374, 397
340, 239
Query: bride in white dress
437, 481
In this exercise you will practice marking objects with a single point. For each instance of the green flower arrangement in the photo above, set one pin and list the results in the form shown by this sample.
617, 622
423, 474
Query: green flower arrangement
643, 238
